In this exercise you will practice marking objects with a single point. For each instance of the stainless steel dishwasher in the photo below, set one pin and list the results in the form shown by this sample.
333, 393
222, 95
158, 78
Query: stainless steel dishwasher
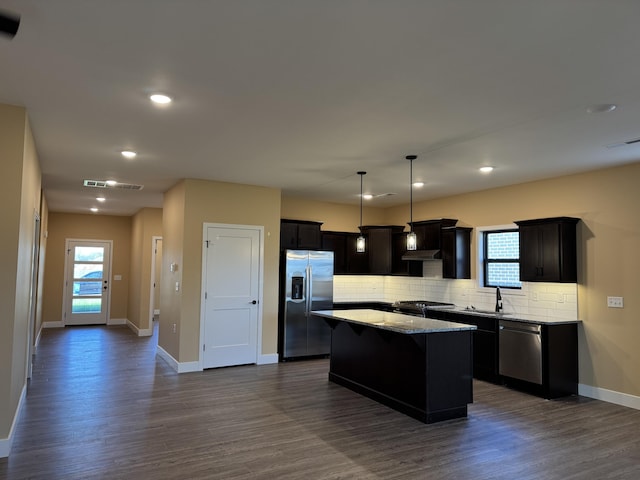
520, 347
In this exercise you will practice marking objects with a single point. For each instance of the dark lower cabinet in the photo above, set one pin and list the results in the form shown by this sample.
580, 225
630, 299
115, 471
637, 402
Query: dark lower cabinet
485, 343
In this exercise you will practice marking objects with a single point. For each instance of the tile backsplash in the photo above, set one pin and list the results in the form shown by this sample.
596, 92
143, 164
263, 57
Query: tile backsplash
550, 300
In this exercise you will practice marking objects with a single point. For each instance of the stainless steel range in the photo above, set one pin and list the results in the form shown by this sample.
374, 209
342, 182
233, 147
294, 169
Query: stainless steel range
418, 307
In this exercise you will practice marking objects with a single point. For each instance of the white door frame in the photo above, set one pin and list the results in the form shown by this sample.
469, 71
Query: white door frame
33, 292
203, 279
152, 298
66, 287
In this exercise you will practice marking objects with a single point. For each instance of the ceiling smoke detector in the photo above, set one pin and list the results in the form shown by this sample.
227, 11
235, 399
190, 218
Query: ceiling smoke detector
111, 184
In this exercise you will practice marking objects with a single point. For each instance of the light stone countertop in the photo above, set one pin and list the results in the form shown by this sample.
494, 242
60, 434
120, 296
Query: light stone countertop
516, 317
395, 322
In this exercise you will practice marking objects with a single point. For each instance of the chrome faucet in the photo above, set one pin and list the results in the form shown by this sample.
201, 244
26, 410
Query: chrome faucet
498, 300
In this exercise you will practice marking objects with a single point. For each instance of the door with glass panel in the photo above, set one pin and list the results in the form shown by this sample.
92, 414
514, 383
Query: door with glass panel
87, 282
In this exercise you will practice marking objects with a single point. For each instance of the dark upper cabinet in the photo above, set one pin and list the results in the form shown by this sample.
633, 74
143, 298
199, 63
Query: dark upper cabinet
380, 246
456, 252
337, 243
356, 262
346, 259
548, 250
300, 234
399, 266
385, 246
429, 232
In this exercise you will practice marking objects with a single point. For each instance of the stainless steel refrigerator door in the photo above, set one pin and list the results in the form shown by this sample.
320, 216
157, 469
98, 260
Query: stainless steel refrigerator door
321, 298
295, 304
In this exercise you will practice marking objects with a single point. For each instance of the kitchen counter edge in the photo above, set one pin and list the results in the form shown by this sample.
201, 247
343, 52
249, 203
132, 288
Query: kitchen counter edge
514, 317
395, 322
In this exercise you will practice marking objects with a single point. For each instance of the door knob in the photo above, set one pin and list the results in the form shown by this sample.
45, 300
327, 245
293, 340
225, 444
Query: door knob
254, 302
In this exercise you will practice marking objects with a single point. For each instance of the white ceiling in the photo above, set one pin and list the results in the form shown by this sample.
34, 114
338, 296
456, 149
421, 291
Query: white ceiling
301, 94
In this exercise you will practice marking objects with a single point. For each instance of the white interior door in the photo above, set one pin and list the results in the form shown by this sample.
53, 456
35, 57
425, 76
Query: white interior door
87, 273
231, 295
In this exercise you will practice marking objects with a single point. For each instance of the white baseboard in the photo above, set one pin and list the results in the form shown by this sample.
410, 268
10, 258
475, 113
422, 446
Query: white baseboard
610, 396
117, 321
180, 367
141, 332
58, 324
268, 358
5, 443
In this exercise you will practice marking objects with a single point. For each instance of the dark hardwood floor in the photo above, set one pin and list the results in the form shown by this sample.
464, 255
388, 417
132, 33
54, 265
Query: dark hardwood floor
102, 405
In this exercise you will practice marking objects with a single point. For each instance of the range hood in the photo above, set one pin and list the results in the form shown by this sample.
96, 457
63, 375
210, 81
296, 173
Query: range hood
421, 255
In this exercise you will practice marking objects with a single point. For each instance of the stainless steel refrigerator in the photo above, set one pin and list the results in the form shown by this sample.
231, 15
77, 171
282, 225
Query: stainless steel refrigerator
306, 284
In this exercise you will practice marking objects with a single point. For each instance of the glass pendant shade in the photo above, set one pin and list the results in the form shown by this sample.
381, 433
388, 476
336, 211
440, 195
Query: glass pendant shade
360, 241
412, 241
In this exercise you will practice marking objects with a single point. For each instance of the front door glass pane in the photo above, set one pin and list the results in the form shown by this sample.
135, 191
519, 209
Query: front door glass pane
86, 305
89, 254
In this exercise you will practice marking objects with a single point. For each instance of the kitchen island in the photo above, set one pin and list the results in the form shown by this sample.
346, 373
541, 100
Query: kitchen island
419, 366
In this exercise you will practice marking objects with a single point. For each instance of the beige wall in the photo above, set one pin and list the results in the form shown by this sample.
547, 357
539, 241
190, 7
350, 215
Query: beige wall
145, 224
63, 226
212, 202
172, 252
334, 216
608, 256
44, 226
22, 188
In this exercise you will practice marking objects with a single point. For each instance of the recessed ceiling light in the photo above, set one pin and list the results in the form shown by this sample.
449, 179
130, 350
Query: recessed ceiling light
367, 196
418, 184
602, 108
487, 169
101, 199
94, 209
128, 154
160, 98
111, 183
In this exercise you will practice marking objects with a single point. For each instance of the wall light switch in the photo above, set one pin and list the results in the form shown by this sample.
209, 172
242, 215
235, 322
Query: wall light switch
615, 302
177, 286
117, 277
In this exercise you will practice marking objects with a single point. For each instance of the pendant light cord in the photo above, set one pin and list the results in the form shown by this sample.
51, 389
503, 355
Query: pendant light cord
361, 175
411, 196
411, 158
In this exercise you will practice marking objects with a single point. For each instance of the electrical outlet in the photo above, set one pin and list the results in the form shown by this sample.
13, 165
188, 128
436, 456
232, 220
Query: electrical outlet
534, 296
174, 328
615, 302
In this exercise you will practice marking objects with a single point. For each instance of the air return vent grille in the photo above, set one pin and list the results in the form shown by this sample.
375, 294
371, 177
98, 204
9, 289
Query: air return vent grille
104, 184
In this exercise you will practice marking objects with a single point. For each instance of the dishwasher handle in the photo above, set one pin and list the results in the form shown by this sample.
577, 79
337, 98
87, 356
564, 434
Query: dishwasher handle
521, 327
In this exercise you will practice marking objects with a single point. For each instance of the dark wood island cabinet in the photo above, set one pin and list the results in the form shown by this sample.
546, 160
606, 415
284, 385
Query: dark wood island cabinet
418, 366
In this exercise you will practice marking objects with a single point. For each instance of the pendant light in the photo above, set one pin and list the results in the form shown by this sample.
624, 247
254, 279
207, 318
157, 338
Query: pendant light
360, 241
412, 242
